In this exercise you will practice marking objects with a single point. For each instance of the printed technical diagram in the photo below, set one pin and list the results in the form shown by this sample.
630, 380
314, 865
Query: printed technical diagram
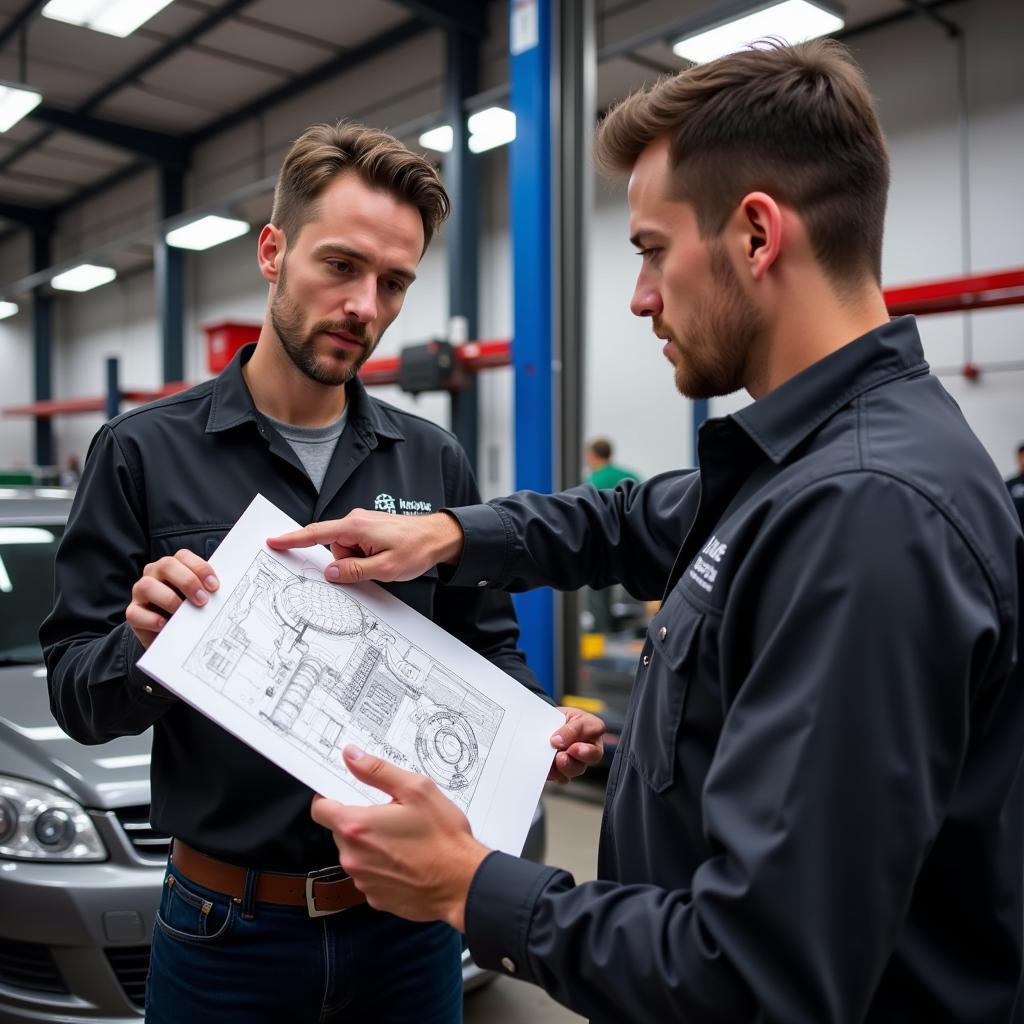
314, 665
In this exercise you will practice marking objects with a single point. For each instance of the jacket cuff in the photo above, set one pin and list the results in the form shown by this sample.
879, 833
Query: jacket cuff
145, 689
499, 912
486, 547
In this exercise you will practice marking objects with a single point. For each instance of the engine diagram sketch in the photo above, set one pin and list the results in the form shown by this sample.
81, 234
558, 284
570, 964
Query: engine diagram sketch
307, 660
299, 668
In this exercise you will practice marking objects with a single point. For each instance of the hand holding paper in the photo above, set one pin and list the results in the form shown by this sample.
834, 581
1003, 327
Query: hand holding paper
580, 744
162, 588
415, 856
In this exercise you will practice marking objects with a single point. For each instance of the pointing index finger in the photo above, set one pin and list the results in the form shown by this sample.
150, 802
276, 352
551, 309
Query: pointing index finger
315, 533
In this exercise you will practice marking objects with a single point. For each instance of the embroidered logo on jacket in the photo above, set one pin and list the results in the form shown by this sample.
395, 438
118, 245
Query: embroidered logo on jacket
704, 570
402, 506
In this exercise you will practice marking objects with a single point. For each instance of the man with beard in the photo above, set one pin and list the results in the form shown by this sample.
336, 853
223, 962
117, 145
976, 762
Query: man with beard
250, 930
815, 812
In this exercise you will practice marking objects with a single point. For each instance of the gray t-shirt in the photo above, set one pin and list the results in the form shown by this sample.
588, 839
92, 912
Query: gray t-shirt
313, 445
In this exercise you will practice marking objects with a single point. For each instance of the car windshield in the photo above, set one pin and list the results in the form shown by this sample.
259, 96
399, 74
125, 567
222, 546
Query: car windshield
27, 554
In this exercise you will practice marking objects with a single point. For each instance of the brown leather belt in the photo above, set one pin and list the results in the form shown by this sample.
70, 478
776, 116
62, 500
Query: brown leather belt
323, 892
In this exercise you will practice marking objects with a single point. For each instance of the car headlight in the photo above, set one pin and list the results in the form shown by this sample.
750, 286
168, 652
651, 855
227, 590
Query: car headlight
39, 823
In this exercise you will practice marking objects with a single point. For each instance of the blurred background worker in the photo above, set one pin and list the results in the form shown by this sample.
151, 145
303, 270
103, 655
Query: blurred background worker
603, 472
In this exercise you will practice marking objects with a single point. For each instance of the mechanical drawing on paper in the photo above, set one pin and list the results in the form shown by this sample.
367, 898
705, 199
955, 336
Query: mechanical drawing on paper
310, 662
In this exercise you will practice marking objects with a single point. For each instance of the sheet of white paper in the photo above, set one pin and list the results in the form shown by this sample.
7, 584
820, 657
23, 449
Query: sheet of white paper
298, 667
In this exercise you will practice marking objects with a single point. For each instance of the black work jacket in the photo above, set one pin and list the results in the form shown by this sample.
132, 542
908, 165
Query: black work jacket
177, 474
815, 813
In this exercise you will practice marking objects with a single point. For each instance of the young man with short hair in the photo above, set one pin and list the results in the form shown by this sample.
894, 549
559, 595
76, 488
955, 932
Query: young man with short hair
238, 937
816, 811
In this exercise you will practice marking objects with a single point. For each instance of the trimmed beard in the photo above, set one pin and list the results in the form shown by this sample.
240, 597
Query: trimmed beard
300, 344
715, 346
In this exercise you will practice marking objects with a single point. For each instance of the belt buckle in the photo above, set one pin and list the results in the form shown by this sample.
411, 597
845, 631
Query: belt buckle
323, 875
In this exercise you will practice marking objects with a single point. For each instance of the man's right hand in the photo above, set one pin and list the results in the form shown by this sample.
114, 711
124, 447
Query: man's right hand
162, 589
380, 546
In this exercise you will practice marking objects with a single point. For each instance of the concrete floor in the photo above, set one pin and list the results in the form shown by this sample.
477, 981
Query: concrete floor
573, 823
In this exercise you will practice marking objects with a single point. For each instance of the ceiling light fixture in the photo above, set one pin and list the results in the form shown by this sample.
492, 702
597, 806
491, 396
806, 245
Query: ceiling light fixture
7, 309
115, 17
206, 232
440, 139
494, 126
83, 278
794, 21
15, 102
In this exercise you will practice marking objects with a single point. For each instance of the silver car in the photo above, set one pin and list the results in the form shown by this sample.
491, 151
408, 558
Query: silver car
80, 867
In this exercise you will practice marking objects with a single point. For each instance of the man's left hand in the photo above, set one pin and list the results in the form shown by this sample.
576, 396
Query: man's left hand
580, 744
414, 857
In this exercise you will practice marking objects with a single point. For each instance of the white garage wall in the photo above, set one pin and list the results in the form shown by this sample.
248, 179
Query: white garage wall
16, 433
629, 389
115, 320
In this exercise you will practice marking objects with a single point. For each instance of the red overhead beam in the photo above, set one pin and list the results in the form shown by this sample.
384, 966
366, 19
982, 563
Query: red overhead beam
473, 356
951, 295
958, 294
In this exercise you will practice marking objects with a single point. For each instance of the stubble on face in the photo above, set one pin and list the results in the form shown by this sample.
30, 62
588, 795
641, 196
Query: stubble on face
299, 341
714, 348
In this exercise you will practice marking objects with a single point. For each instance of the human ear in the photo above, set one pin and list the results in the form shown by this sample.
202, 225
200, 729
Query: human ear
270, 252
760, 227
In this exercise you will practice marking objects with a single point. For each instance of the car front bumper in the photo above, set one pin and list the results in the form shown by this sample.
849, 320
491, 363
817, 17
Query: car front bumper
74, 941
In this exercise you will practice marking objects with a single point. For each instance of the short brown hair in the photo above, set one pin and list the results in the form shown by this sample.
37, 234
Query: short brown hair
797, 122
601, 447
323, 151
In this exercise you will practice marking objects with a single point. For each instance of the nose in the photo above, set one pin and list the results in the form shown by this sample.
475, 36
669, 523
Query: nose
361, 299
646, 300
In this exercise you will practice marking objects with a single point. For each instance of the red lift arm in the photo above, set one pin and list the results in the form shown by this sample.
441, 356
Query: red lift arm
980, 291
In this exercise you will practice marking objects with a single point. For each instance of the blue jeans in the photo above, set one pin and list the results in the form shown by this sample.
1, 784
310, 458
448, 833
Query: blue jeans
212, 965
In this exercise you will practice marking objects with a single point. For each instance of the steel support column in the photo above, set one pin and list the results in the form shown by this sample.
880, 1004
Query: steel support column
462, 179
576, 66
530, 187
169, 274
42, 348
113, 406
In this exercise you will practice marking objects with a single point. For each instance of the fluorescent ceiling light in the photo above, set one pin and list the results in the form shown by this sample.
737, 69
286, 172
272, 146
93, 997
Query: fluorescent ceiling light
206, 232
488, 128
794, 21
441, 139
7, 309
15, 102
115, 17
492, 127
83, 278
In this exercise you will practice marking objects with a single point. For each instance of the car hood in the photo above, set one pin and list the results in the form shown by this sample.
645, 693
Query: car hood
32, 746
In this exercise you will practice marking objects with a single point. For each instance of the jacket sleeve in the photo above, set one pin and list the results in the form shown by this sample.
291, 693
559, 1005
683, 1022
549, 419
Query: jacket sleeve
870, 635
481, 618
96, 690
629, 534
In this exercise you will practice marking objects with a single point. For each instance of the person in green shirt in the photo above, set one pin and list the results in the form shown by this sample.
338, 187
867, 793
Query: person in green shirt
604, 475
603, 472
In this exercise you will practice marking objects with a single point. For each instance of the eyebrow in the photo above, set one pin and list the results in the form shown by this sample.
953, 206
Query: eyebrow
327, 248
